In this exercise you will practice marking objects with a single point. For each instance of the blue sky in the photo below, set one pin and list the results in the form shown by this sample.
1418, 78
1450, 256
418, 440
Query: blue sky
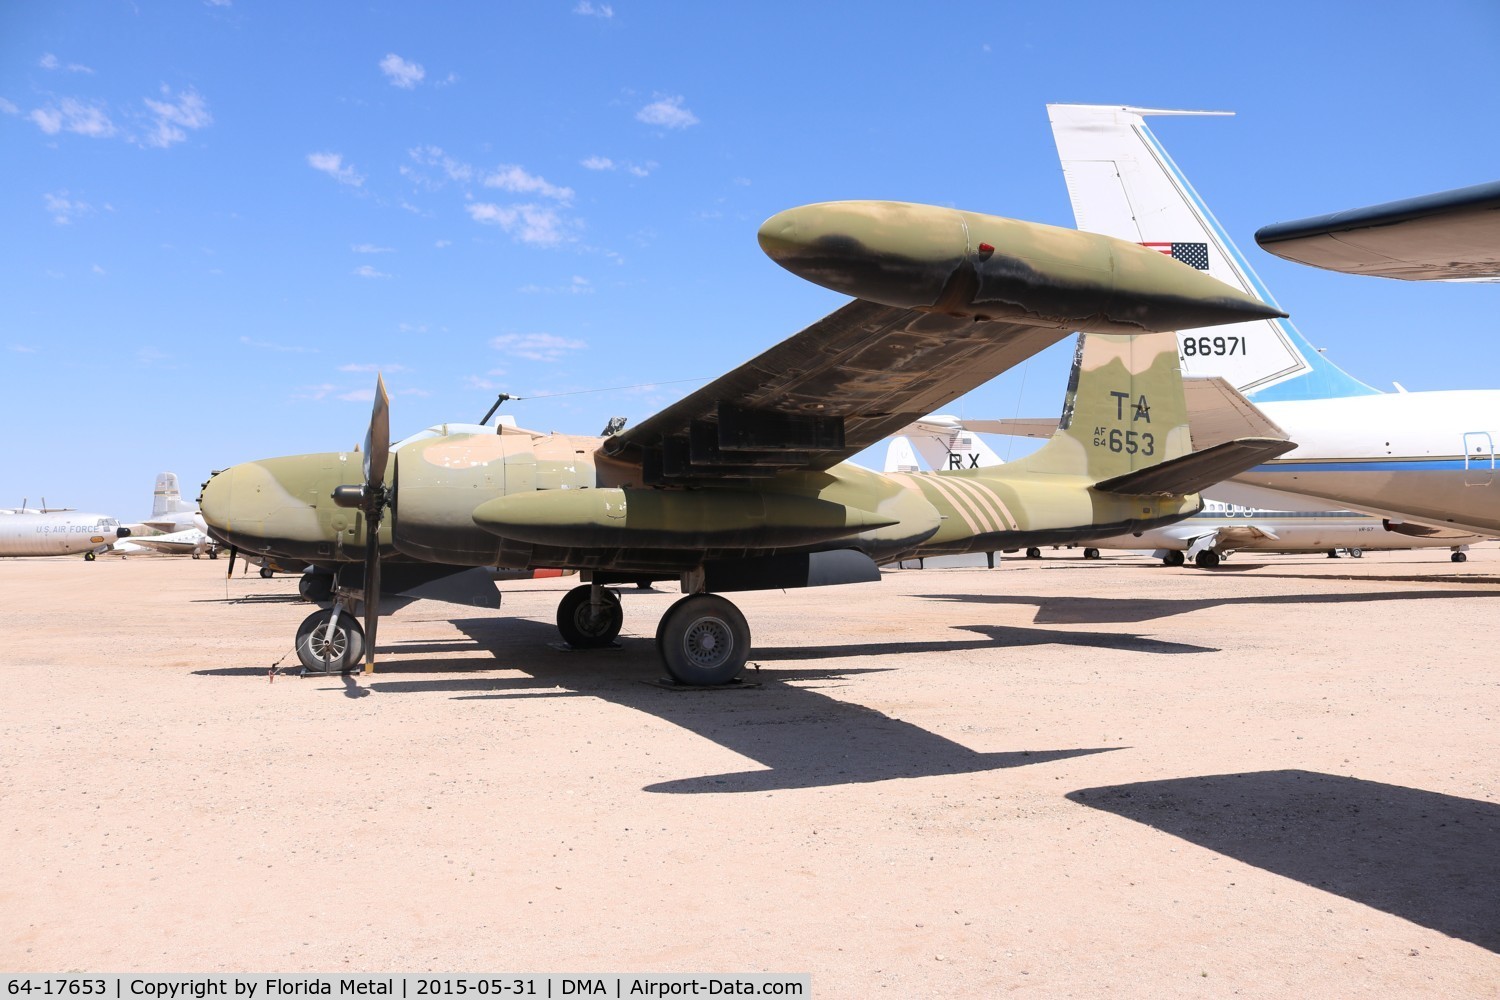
220, 218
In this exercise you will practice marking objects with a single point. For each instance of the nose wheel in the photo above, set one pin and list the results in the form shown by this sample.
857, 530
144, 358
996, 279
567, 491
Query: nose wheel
322, 650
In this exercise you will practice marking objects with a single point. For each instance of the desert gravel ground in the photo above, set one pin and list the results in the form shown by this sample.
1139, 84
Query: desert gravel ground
1056, 778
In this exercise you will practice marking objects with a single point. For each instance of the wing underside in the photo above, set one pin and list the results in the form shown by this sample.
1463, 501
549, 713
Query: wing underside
818, 398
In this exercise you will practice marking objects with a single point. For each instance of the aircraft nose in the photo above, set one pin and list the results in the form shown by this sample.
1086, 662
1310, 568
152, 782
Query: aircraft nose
217, 503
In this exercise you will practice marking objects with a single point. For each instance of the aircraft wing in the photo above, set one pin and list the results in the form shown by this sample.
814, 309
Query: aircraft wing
165, 543
943, 302
1450, 236
851, 379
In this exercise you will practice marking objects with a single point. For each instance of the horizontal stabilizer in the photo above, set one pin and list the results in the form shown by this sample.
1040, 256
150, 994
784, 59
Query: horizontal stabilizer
1217, 413
1198, 470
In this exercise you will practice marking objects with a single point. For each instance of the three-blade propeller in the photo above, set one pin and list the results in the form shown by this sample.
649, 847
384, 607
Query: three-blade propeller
372, 497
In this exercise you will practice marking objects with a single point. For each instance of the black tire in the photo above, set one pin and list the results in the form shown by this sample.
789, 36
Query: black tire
89, 557
213, 553
1174, 557
345, 648
704, 641
1033, 553
266, 573
1356, 553
1091, 553
1459, 557
1207, 559
580, 627
316, 587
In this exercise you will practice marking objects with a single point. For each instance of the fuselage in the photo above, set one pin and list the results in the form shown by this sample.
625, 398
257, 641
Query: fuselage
522, 501
57, 534
1420, 456
1236, 528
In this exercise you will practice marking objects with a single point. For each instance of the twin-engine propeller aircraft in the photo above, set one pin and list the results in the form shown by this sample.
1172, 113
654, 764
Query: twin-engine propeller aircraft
744, 484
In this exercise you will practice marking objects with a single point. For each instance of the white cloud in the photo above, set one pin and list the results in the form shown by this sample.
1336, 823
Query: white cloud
366, 271
217, 3
577, 286
333, 165
532, 224
440, 244
372, 368
358, 396
71, 115
98, 270
433, 156
371, 248
6, 107
313, 391
412, 327
64, 209
266, 345
21, 348
50, 61
643, 171
171, 117
401, 73
536, 346
475, 382
517, 180
667, 112
587, 9
598, 163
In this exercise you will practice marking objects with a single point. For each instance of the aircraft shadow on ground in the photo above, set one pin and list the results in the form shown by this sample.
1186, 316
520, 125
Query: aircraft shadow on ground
1429, 858
1105, 610
804, 738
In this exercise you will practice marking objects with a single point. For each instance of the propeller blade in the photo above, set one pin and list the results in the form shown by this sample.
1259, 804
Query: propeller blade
372, 587
378, 441
233, 554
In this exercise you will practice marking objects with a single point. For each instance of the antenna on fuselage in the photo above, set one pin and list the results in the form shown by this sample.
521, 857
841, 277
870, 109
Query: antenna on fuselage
491, 411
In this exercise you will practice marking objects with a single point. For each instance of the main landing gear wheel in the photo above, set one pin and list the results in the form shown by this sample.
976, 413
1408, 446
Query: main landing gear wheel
266, 572
1033, 553
343, 649
1207, 559
704, 641
1091, 553
89, 557
1459, 557
1356, 553
584, 627
1174, 557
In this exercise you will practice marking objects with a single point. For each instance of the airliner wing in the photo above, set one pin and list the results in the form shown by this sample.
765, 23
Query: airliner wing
1449, 236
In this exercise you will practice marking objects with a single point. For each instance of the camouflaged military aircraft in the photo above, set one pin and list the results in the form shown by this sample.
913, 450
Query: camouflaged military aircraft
744, 484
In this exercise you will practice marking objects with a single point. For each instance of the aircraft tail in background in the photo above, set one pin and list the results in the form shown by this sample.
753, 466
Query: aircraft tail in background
1123, 184
945, 444
167, 497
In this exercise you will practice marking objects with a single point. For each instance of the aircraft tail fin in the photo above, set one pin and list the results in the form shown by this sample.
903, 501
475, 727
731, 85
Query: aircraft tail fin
1125, 410
900, 457
1123, 184
166, 498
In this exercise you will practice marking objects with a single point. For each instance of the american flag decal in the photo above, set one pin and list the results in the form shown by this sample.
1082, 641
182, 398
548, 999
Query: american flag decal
1191, 254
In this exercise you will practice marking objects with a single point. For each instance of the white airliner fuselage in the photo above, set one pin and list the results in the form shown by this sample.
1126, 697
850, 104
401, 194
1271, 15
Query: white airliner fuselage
57, 534
1415, 456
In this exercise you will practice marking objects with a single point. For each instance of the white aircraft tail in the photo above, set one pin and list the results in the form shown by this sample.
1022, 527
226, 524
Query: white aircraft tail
944, 443
1123, 184
167, 497
900, 457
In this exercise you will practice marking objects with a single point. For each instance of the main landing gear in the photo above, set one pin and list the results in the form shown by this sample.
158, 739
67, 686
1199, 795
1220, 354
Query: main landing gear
1174, 557
1207, 559
703, 640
